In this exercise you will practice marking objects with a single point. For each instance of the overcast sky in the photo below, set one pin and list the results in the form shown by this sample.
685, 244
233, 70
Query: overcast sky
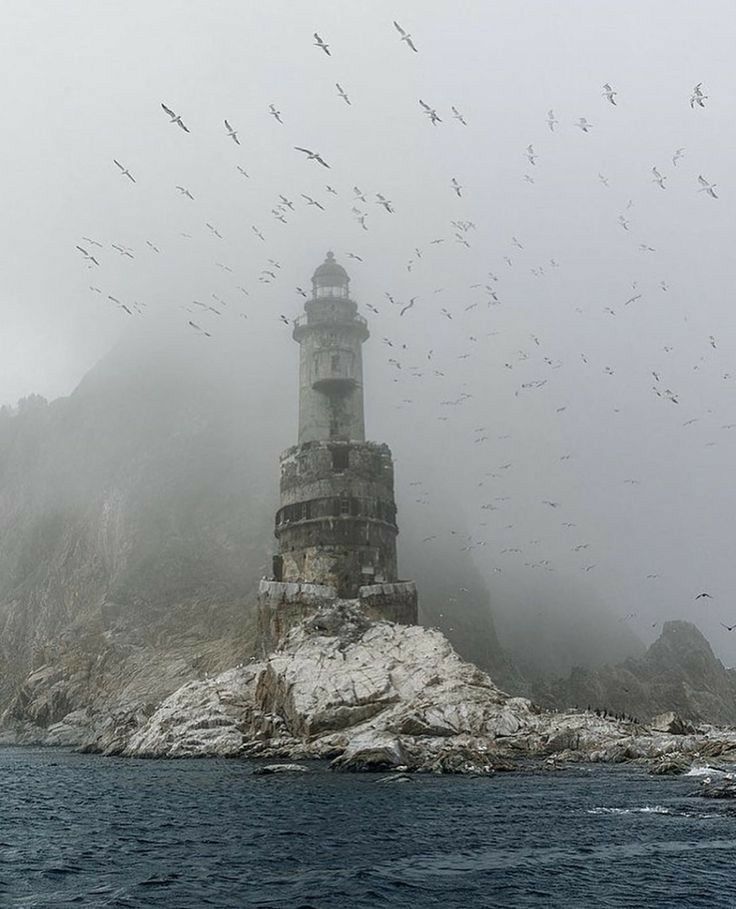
560, 378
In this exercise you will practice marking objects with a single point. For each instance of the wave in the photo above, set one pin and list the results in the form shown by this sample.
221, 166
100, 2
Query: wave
645, 809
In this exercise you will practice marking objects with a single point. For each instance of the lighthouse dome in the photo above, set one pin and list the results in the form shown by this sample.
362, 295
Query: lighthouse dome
330, 278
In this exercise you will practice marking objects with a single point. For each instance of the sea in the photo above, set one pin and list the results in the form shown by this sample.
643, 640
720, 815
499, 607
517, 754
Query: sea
91, 831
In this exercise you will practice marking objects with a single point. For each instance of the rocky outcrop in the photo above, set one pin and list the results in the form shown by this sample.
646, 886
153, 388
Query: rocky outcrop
679, 674
136, 521
379, 696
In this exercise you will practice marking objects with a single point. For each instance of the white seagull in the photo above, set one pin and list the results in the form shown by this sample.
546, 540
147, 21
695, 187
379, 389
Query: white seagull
318, 42
658, 178
341, 93
175, 118
706, 187
609, 93
124, 171
313, 156
405, 36
232, 133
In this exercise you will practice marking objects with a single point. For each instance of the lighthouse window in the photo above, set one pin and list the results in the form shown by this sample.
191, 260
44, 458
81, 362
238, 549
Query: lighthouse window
340, 458
344, 506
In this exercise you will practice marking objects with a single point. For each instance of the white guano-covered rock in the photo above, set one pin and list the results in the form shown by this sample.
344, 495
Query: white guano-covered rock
375, 695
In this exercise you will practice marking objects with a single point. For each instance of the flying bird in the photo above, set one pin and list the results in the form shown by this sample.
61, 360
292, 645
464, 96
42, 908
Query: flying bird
697, 96
658, 178
405, 36
87, 256
318, 42
185, 192
706, 187
430, 112
124, 171
275, 113
703, 596
386, 203
728, 627
341, 93
92, 242
456, 186
584, 125
353, 256
311, 201
232, 133
312, 156
123, 250
408, 306
458, 116
241, 171
609, 94
197, 328
532, 157
680, 153
552, 121
175, 118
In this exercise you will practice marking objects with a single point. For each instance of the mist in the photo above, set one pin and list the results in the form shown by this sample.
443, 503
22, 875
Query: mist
559, 398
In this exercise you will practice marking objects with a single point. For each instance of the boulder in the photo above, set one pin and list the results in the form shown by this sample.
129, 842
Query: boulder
672, 723
267, 769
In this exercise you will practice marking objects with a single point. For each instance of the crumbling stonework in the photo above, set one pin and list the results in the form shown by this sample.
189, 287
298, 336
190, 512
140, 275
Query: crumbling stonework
336, 526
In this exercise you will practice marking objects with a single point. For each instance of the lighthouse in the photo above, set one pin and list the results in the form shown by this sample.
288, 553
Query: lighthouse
336, 526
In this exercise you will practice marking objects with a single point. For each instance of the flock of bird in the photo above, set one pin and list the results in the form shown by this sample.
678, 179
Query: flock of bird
408, 363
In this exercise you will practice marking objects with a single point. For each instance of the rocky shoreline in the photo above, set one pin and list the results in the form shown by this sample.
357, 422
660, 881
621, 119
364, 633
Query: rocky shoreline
376, 696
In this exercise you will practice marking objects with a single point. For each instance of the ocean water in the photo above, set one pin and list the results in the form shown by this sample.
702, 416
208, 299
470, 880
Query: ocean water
82, 830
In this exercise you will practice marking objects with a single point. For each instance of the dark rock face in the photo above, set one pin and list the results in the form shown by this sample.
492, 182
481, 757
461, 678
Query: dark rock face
679, 674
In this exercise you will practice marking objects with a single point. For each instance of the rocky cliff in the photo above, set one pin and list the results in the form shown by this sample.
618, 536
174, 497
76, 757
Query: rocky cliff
679, 672
136, 519
378, 696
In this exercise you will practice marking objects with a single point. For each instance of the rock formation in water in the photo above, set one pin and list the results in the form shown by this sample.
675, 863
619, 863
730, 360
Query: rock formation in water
378, 696
135, 525
679, 673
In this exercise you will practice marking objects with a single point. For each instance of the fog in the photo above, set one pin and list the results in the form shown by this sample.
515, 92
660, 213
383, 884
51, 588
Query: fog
581, 427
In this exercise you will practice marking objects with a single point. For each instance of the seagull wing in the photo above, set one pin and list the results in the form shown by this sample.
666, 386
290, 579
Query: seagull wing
305, 150
703, 181
398, 28
228, 127
323, 163
411, 45
425, 106
168, 110
119, 164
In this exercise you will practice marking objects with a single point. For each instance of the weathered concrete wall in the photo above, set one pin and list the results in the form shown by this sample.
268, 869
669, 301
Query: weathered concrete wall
282, 605
337, 523
330, 339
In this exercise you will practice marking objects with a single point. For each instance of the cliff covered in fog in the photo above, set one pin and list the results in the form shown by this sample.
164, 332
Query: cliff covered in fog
135, 522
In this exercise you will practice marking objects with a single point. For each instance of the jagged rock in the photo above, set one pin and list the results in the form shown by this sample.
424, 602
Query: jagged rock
267, 769
721, 789
671, 722
678, 674
669, 765
376, 752
378, 696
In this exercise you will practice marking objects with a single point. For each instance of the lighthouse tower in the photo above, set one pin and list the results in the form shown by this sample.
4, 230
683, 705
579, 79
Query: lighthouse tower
336, 525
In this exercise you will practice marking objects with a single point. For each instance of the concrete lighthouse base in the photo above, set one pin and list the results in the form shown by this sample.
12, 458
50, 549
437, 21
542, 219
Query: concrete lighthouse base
283, 604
